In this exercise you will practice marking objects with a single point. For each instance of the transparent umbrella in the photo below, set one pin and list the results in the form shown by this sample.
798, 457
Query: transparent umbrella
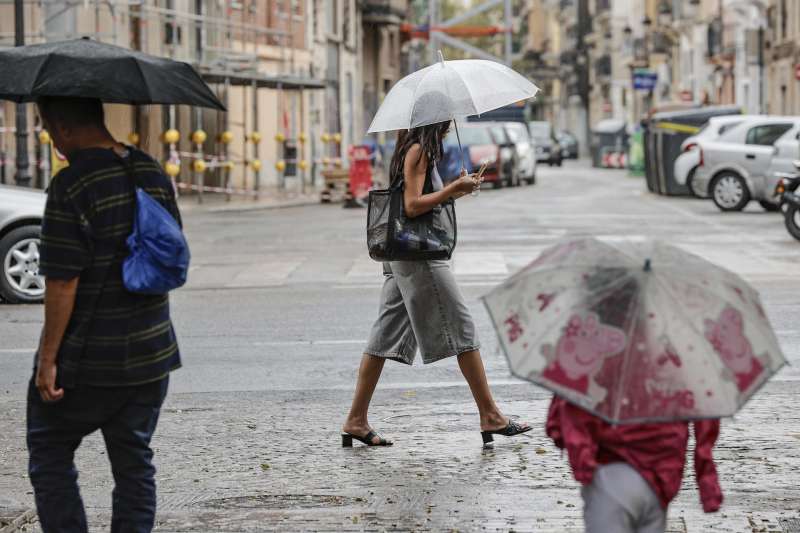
450, 90
635, 332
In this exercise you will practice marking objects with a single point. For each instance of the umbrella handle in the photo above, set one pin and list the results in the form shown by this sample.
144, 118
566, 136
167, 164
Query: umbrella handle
460, 149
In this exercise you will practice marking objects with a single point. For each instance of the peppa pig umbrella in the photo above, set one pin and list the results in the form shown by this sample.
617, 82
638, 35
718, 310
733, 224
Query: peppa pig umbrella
635, 332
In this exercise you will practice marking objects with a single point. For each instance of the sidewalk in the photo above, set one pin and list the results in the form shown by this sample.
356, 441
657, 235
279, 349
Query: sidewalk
240, 462
271, 198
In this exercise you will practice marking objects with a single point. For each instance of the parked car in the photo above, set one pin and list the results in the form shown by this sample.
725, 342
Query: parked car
21, 213
525, 149
548, 149
509, 176
741, 165
480, 147
686, 163
569, 144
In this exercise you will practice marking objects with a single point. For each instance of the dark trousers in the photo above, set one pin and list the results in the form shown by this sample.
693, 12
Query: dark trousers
127, 417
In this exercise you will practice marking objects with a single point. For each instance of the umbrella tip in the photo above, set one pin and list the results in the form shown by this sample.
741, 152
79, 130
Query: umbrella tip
647, 265
441, 57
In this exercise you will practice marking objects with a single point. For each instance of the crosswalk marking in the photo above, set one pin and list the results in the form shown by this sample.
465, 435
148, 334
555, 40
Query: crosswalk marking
470, 265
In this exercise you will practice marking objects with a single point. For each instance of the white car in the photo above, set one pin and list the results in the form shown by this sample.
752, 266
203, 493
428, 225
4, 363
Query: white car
21, 213
526, 150
741, 164
686, 163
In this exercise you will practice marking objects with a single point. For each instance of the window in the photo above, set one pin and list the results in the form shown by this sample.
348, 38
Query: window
726, 127
784, 19
331, 17
766, 135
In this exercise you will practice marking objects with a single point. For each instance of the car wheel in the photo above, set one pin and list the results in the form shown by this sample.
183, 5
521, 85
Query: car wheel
20, 281
559, 162
769, 207
792, 220
729, 192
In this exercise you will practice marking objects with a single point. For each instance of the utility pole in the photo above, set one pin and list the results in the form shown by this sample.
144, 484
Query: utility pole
23, 175
582, 63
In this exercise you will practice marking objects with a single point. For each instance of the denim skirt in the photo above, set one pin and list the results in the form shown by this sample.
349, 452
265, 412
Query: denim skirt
421, 307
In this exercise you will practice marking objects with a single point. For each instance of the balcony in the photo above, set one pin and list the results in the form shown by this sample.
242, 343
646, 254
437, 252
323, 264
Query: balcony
602, 66
601, 6
391, 12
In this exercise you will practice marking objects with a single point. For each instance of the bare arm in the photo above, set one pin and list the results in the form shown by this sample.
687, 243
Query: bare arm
59, 302
414, 201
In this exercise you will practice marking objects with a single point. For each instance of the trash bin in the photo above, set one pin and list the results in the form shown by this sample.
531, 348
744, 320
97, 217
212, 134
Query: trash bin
664, 134
609, 136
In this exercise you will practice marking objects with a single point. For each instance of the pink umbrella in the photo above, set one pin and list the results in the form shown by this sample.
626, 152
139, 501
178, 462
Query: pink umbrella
635, 332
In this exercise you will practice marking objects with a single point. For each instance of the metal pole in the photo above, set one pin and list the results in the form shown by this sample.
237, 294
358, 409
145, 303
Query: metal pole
256, 173
23, 174
433, 20
507, 15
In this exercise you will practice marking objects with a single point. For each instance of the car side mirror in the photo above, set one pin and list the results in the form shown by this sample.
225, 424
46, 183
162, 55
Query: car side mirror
796, 164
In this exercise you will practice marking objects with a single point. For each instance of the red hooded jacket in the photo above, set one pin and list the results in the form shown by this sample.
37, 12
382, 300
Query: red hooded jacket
657, 451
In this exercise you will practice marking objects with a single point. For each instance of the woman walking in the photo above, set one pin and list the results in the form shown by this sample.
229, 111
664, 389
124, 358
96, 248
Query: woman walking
421, 306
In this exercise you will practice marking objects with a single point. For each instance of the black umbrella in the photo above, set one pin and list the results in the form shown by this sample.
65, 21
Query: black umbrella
89, 69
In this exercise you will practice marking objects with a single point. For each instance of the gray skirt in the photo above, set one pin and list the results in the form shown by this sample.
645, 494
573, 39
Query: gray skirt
421, 306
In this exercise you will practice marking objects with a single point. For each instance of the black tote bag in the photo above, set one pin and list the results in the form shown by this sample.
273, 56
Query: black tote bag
392, 236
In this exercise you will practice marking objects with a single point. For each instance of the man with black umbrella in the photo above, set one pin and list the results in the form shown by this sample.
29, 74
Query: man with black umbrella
105, 353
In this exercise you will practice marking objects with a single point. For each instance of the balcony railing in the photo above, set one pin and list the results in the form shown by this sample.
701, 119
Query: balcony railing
602, 66
383, 11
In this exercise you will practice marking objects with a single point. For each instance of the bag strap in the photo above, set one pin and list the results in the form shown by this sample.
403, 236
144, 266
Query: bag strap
399, 181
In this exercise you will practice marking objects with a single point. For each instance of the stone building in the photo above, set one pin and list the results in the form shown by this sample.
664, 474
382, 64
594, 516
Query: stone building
300, 78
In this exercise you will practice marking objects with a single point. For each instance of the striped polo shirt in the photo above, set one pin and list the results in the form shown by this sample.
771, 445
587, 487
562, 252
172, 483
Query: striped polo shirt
114, 337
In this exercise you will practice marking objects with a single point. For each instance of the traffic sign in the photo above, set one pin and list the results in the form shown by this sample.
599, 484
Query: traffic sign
644, 80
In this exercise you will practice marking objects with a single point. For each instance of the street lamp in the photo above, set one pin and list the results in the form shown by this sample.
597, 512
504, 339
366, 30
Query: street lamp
22, 176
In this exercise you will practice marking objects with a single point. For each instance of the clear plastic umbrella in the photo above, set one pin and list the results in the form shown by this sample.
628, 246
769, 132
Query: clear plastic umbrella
635, 332
450, 90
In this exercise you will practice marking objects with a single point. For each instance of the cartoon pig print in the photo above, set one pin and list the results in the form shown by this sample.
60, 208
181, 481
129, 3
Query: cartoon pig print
727, 337
580, 351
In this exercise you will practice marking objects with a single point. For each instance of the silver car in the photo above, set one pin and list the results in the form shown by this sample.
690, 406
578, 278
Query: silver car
21, 212
740, 165
525, 148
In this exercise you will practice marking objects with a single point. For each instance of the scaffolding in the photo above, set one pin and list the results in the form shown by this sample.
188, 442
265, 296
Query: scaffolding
237, 46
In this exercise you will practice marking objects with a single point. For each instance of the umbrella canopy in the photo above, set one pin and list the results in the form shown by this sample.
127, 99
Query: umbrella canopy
88, 69
450, 90
635, 332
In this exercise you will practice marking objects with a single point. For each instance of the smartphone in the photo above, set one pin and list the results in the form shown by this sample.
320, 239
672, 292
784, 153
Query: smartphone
482, 170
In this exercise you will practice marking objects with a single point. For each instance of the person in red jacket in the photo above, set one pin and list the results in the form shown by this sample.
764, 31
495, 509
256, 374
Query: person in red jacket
631, 472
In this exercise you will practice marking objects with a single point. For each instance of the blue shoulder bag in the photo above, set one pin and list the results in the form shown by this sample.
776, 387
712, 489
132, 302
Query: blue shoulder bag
159, 254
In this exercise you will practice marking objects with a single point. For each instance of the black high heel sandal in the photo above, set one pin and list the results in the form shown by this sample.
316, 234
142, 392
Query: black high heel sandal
509, 431
347, 440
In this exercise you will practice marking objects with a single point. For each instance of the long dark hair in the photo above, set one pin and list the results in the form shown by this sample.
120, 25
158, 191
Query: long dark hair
428, 137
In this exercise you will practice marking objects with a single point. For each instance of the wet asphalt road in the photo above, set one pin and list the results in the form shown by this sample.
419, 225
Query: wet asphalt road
271, 325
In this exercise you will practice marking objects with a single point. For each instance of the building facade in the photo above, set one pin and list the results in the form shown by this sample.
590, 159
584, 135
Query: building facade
300, 79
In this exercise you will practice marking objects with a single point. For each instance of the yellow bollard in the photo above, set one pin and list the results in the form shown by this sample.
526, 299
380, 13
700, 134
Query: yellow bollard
199, 137
171, 136
44, 137
226, 137
255, 164
172, 169
255, 137
199, 166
